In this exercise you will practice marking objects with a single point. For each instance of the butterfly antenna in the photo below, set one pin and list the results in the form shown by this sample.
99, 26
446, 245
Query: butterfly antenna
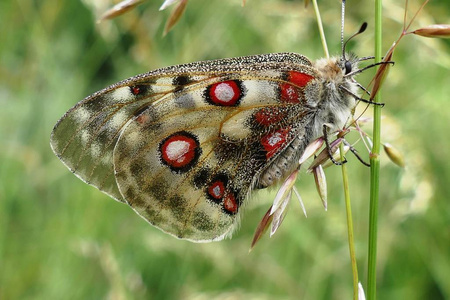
342, 28
361, 30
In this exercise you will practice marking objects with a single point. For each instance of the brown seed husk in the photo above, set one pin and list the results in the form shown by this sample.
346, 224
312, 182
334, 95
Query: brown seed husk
434, 31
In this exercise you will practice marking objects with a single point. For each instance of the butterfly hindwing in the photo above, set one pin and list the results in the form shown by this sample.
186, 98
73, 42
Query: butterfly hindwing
183, 145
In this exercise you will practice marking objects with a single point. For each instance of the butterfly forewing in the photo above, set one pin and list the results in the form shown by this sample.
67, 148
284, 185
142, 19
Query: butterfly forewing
86, 135
184, 145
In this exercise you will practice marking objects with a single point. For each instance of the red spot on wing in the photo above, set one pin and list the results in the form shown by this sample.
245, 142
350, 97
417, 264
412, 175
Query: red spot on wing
299, 79
291, 92
139, 89
219, 192
226, 93
274, 141
217, 189
230, 204
143, 119
269, 115
136, 90
180, 150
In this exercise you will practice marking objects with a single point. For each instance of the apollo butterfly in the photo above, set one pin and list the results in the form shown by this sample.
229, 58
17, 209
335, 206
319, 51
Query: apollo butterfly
185, 145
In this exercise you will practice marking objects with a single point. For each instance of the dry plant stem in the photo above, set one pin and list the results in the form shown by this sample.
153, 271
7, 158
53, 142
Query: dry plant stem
322, 34
375, 167
351, 242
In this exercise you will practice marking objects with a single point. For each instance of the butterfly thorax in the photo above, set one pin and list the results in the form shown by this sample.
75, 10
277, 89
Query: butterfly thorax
335, 102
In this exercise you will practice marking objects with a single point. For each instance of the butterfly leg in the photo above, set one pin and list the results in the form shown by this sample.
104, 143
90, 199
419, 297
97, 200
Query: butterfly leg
353, 150
327, 145
359, 98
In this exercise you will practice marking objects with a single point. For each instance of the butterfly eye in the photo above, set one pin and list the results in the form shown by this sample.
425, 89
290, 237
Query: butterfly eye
348, 67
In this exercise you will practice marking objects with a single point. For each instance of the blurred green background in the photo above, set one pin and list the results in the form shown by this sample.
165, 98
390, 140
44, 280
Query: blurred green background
63, 239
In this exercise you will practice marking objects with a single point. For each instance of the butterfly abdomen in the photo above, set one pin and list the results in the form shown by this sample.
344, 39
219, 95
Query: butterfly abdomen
285, 163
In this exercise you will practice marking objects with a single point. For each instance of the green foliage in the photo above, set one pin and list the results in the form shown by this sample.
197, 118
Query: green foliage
62, 239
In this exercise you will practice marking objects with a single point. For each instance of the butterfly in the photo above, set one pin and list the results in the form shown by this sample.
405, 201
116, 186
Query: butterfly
184, 146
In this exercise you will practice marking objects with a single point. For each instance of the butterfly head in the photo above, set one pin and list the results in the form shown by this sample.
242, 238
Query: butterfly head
335, 68
336, 101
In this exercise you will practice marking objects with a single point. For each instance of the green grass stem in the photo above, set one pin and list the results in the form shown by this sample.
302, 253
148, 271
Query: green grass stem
322, 33
351, 242
375, 167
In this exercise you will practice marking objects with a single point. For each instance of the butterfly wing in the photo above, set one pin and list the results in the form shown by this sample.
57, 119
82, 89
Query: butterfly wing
183, 145
85, 137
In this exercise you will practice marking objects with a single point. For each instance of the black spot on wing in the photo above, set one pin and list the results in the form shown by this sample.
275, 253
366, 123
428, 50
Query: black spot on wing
202, 221
140, 90
178, 205
201, 177
180, 81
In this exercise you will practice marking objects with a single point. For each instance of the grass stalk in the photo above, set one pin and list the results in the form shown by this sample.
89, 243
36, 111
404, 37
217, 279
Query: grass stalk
321, 32
351, 242
375, 167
